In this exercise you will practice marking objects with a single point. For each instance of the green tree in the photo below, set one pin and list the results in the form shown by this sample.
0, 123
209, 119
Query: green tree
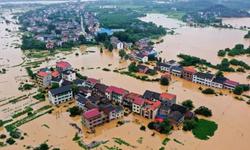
202, 110
221, 53
239, 46
74, 111
219, 74
74, 87
238, 90
246, 36
225, 63
82, 39
132, 67
143, 128
165, 126
101, 51
151, 43
188, 103
153, 72
1, 123
2, 136
10, 141
164, 81
122, 53
54, 85
234, 62
58, 31
126, 57
151, 125
111, 47
51, 27
106, 44
208, 91
188, 125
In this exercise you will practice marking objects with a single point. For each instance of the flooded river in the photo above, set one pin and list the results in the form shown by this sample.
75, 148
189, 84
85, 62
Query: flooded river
232, 116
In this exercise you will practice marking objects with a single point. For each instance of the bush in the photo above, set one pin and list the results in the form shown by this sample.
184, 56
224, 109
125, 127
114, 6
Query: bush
200, 88
164, 81
221, 53
238, 90
189, 104
208, 91
240, 70
10, 141
2, 136
76, 54
143, 128
188, 125
106, 69
74, 111
202, 110
151, 125
76, 137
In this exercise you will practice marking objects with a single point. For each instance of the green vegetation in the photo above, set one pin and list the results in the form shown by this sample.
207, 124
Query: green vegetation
239, 98
188, 103
81, 145
143, 78
74, 111
239, 89
208, 91
140, 140
120, 142
30, 73
106, 69
10, 141
55, 85
43, 146
143, 128
122, 53
165, 141
81, 76
178, 142
3, 136
151, 125
236, 62
240, 70
247, 35
39, 96
204, 129
219, 74
188, 125
76, 137
238, 50
164, 81
202, 110
247, 96
132, 67
165, 126
45, 125
221, 53
29, 109
162, 148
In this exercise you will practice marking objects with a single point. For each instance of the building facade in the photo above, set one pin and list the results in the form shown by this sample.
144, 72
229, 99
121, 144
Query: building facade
203, 78
60, 95
188, 73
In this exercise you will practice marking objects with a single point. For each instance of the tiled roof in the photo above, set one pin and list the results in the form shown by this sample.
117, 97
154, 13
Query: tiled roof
167, 96
166, 76
142, 67
219, 80
116, 90
154, 105
91, 113
55, 73
118, 108
164, 107
176, 115
177, 68
78, 81
204, 75
90, 105
60, 90
163, 64
138, 101
190, 70
92, 80
101, 87
181, 109
231, 82
133, 95
42, 74
62, 64
81, 99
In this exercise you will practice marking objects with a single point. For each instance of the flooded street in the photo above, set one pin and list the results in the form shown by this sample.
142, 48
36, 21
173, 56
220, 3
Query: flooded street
231, 115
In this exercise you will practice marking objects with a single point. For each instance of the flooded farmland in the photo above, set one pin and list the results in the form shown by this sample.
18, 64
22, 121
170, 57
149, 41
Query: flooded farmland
231, 115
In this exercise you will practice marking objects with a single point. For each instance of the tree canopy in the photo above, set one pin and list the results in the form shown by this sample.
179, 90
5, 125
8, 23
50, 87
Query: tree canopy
188, 103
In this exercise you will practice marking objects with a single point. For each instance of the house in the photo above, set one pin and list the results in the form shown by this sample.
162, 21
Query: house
60, 95
49, 45
173, 63
140, 57
91, 82
150, 109
69, 75
137, 105
94, 99
85, 91
119, 112
189, 115
55, 74
92, 118
89, 106
229, 84
218, 82
79, 82
81, 101
130, 98
44, 79
188, 73
147, 50
146, 40
168, 76
163, 67
99, 89
62, 66
167, 99
118, 44
142, 68
127, 45
152, 96
116, 94
110, 110
176, 118
203, 78
179, 108
176, 71
164, 110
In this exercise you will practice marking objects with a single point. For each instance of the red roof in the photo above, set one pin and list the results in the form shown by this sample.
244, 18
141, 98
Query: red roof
62, 64
190, 70
116, 90
138, 101
232, 82
55, 73
167, 96
65, 39
42, 74
154, 105
92, 80
50, 44
91, 113
165, 76
158, 120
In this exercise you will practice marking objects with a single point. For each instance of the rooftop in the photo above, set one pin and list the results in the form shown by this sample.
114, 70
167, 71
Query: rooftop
62, 64
142, 67
219, 80
133, 95
92, 80
167, 96
177, 68
91, 113
42, 74
204, 75
91, 106
118, 108
55, 73
139, 101
153, 105
176, 115
101, 87
79, 81
190, 70
179, 108
116, 90
163, 64
81, 99
60, 90
231, 82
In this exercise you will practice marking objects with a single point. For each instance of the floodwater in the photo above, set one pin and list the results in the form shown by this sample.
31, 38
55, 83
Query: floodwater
232, 116
237, 22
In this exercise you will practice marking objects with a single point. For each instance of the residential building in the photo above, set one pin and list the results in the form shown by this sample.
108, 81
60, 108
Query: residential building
147, 50
137, 105
92, 118
84, 91
89, 106
44, 79
173, 63
180, 108
140, 57
91, 82
79, 82
188, 73
81, 101
49, 45
229, 84
176, 71
99, 89
62, 66
55, 74
164, 110
163, 67
60, 95
203, 78
69, 75
110, 110
150, 95
118, 44
167, 99
150, 109
129, 99
119, 111
116, 94
218, 82
142, 68
176, 118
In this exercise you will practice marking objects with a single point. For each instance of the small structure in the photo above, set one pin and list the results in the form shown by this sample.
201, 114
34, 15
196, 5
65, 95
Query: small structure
60, 95
119, 111
188, 73
55, 74
164, 110
176, 71
218, 82
140, 57
176, 118
44, 78
150, 109
142, 68
49, 45
163, 67
110, 110
62, 66
229, 84
147, 50
92, 118
69, 75
130, 98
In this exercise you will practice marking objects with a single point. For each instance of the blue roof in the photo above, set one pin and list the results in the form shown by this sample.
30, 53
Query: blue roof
109, 32
161, 116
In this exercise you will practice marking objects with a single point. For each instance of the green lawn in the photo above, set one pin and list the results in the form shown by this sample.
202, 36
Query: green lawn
204, 129
175, 14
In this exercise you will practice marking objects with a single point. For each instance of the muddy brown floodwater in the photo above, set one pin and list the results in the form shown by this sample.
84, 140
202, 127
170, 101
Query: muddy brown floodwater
232, 116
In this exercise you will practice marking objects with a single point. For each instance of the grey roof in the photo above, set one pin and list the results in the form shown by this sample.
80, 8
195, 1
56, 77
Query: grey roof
78, 81
81, 99
177, 68
179, 108
164, 107
44, 69
204, 75
149, 94
56, 79
156, 95
147, 48
93, 99
176, 115
110, 107
118, 108
60, 90
140, 55
219, 80
91, 106
171, 61
68, 72
65, 82
163, 64
142, 67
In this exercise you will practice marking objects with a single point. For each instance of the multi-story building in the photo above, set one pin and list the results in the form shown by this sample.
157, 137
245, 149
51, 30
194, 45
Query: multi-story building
60, 95
116, 94
137, 105
163, 67
229, 84
99, 89
62, 66
167, 99
119, 111
44, 79
150, 109
91, 82
92, 118
69, 75
81, 101
129, 99
218, 82
110, 110
188, 73
140, 57
176, 71
176, 118
203, 78
150, 95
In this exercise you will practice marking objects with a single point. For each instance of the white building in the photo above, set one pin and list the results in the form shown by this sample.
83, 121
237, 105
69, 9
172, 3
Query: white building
119, 112
203, 78
218, 82
60, 95
140, 58
69, 75
81, 101
163, 67
118, 44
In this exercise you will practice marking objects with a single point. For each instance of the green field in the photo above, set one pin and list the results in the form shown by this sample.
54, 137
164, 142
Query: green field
204, 129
